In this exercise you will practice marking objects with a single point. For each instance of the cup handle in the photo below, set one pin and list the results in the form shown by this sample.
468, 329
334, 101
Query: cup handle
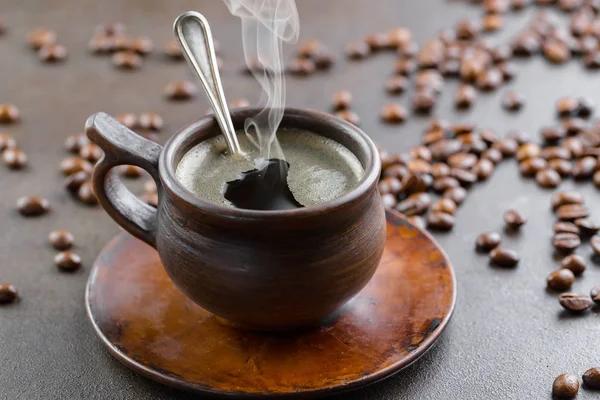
122, 146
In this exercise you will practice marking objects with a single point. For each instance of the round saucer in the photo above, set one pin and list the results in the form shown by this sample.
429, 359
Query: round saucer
151, 327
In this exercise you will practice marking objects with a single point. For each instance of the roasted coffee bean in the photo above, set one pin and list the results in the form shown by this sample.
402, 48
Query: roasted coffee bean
565, 227
310, 48
531, 166
490, 79
567, 106
349, 116
595, 294
439, 170
504, 257
508, 70
595, 243
71, 165
8, 293
67, 261
440, 221
74, 143
416, 183
561, 279
565, 386
388, 200
566, 242
584, 167
52, 53
587, 226
61, 239
378, 41
552, 135
492, 22
527, 150
573, 262
396, 84
419, 166
432, 137
462, 160
9, 113
442, 149
508, 147
90, 152
563, 198
596, 179
494, 155
444, 205
556, 51
457, 195
484, 168
142, 45
7, 142
417, 221
423, 101
390, 185
526, 45
180, 90
450, 68
172, 49
429, 79
569, 212
440, 185
512, 101
513, 219
555, 152
397, 171
575, 302
591, 378
421, 153
131, 171
152, 121
574, 126
520, 137
501, 54
128, 119
31, 206
73, 182
341, 100
467, 29
127, 60
519, 4
466, 178
405, 67
111, 29
393, 113
415, 204
400, 36
475, 146
324, 61
15, 158
592, 60
301, 67
101, 43
357, 50
587, 44
548, 178
465, 96
487, 241
586, 107
86, 194
41, 37
563, 167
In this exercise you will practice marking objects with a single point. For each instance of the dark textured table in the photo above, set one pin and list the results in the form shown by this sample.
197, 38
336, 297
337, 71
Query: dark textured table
508, 338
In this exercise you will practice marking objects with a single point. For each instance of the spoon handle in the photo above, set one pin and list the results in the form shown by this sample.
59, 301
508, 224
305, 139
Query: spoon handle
194, 36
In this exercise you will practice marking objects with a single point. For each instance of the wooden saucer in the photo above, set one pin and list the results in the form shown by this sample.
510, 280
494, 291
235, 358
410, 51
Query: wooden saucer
151, 327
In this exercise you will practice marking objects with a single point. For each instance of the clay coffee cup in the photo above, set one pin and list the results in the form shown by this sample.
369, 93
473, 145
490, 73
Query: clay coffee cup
266, 270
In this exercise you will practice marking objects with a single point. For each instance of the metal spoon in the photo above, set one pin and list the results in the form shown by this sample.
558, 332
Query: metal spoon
194, 36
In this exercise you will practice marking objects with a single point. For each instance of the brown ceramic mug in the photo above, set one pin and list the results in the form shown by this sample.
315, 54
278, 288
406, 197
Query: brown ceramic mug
257, 269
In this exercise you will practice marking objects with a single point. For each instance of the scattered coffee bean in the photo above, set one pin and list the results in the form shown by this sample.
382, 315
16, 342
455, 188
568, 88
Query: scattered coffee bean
393, 113
444, 205
152, 121
71, 165
457, 195
492, 22
142, 45
587, 226
396, 84
111, 29
61, 240
172, 49
415, 204
522, 138
465, 96
592, 60
596, 179
127, 60
73, 182
423, 101
8, 293
32, 206
67, 261
569, 212
531, 166
508, 147
101, 44
573, 262
417, 221
591, 378
595, 243
512, 101
131, 171
586, 107
390, 184
440, 221
561, 279
439, 170
9, 113
566, 242
548, 178
565, 386
595, 294
7, 142
487, 241
575, 302
128, 119
566, 227
389, 200
239, 103
180, 90
440, 185
556, 51
341, 100
86, 194
494, 155
74, 143
357, 50
41, 37
513, 219
90, 152
52, 53
301, 67
462, 160
490, 79
504, 257
563, 198
15, 158
552, 135
465, 177
563, 167
567, 106
405, 67
349, 116
584, 167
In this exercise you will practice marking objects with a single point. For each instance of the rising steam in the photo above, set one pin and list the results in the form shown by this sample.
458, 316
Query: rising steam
266, 24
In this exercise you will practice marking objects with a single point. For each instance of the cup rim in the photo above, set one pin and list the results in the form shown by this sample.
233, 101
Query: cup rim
167, 166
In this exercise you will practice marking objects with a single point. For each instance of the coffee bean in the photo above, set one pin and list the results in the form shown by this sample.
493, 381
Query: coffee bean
67, 261
526, 45
180, 90
8, 293
567, 106
465, 96
423, 101
349, 116
555, 152
569, 212
388, 200
466, 178
9, 113
444, 205
86, 194
504, 257
90, 152
553, 135
462, 160
440, 185
378, 41
417, 221
15, 158
439, 170
440, 221
41, 37
7, 142
574, 302
595, 294
586, 107
341, 100
548, 178
442, 149
421, 153
591, 378
32, 206
596, 179
513, 219
512, 101
487, 241
565, 386
71, 165
456, 194
584, 167
484, 168
405, 67
393, 113
492, 22
152, 121
508, 71
595, 243
128, 119
74, 143
565, 227
561, 279
556, 51
415, 204
490, 79
357, 50
429, 79
501, 54
494, 155
396, 84
573, 262
574, 126
399, 37
563, 167
142, 45
301, 67
563, 198
101, 43
566, 242
508, 147
73, 182
467, 29
588, 44
587, 226
397, 171
131, 171
531, 166
52, 53
390, 185
527, 150
592, 60
172, 49
111, 29
127, 60
61, 240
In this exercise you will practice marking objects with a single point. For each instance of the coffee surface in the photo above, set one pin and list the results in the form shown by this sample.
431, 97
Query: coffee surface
320, 169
